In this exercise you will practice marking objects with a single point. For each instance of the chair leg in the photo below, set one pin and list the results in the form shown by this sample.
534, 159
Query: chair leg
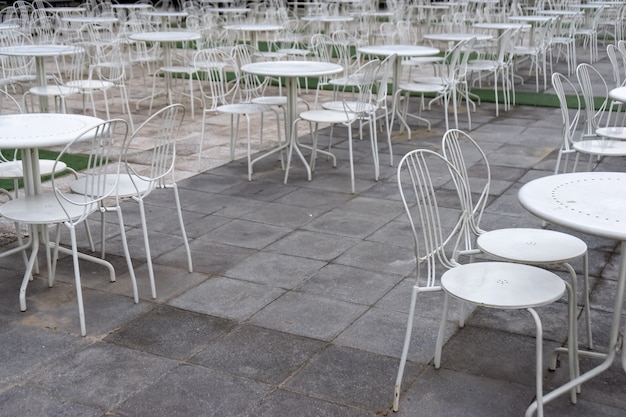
144, 229
405, 350
79, 291
539, 361
182, 227
129, 263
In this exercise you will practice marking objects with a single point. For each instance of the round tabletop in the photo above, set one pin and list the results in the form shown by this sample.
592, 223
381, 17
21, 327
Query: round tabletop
618, 94
40, 50
40, 130
292, 68
457, 37
501, 25
399, 50
9, 26
165, 36
166, 13
531, 19
254, 27
90, 19
589, 202
327, 19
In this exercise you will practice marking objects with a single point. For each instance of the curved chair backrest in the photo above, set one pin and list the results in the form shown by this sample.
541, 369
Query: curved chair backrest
463, 152
101, 173
213, 65
167, 122
570, 124
8, 104
617, 64
367, 76
385, 73
420, 174
588, 78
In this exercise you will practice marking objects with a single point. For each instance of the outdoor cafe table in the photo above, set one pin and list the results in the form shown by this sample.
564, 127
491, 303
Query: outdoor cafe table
328, 20
254, 29
591, 203
401, 52
29, 132
40, 52
292, 71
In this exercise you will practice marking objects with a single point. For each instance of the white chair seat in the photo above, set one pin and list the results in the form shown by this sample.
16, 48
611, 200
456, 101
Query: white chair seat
421, 87
604, 147
325, 116
126, 186
343, 105
503, 285
13, 169
271, 100
533, 246
43, 209
612, 132
243, 108
90, 84
54, 90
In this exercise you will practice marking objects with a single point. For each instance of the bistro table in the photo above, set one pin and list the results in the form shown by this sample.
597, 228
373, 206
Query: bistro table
29, 132
328, 20
165, 15
40, 52
292, 71
591, 203
254, 29
401, 52
533, 21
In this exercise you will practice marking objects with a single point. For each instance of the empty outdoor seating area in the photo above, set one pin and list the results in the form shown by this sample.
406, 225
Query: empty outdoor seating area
312, 208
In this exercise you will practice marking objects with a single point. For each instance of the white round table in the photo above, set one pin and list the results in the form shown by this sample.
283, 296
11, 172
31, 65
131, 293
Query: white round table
591, 203
292, 71
401, 51
327, 20
39, 52
254, 29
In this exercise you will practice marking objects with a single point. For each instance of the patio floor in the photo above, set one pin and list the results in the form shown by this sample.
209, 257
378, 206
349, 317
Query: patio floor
298, 301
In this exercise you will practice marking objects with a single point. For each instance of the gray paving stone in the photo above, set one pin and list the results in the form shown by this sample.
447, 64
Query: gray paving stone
260, 354
25, 350
193, 391
274, 269
350, 284
456, 394
228, 298
25, 401
346, 223
282, 402
350, 377
320, 246
170, 332
383, 332
102, 374
381, 258
308, 315
246, 234
208, 257
282, 215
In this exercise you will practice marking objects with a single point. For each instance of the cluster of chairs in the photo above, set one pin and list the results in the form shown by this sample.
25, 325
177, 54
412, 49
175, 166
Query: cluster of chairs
511, 275
590, 128
109, 178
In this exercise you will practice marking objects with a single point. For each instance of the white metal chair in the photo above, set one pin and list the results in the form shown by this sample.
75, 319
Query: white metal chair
222, 95
496, 64
363, 109
62, 208
446, 85
160, 175
500, 285
572, 143
539, 247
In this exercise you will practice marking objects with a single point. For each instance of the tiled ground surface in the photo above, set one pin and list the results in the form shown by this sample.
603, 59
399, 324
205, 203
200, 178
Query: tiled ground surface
298, 301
